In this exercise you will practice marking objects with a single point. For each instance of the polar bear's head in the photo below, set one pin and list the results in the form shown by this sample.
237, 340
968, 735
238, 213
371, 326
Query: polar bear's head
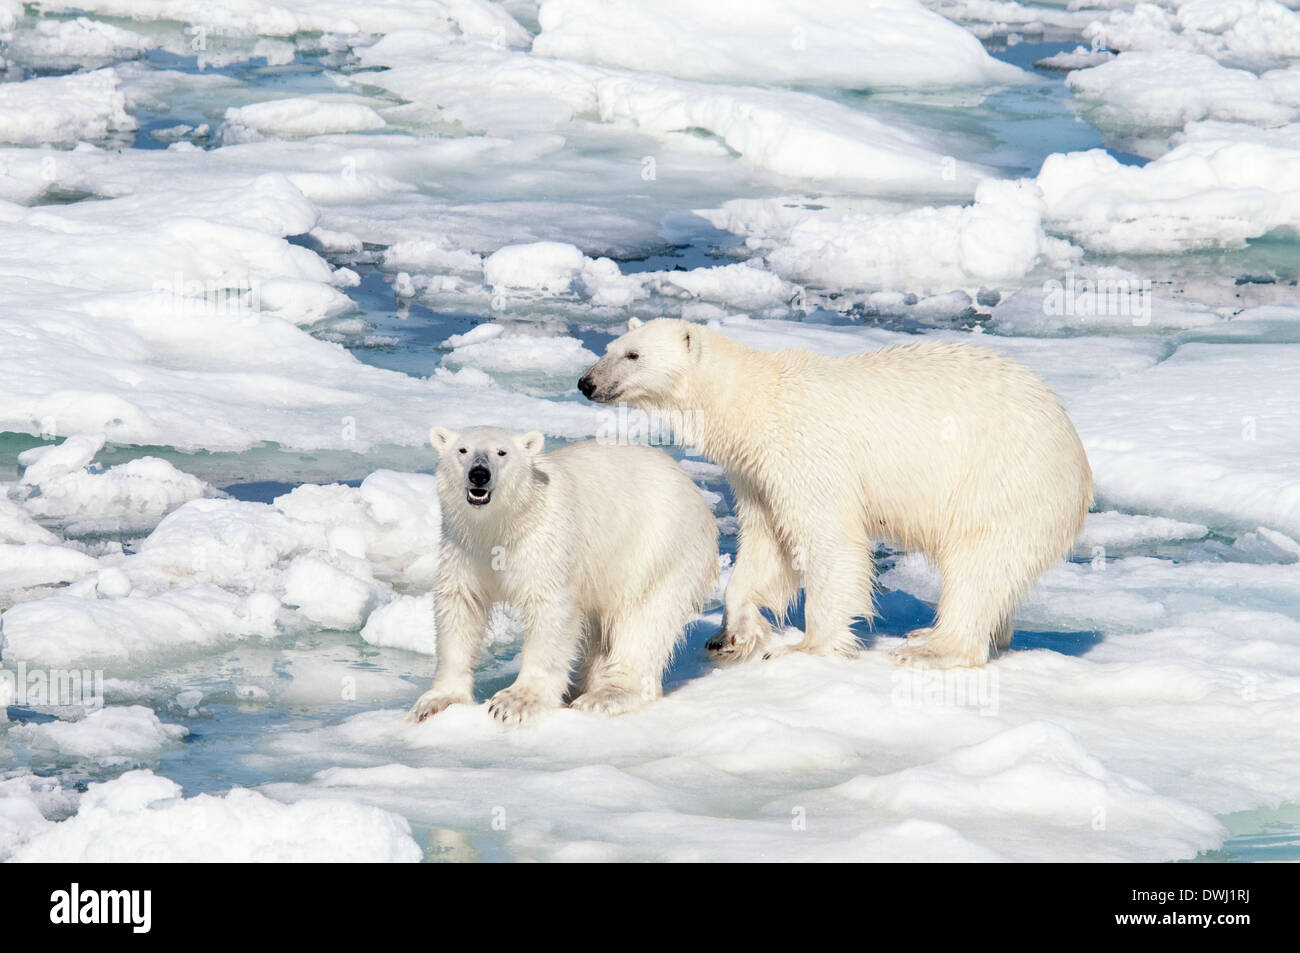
647, 365
480, 462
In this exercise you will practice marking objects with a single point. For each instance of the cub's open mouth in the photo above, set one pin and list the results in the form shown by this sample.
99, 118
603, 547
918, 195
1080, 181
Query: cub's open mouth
477, 495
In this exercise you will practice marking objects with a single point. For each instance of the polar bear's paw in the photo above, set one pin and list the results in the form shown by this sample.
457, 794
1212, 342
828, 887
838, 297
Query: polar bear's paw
610, 700
517, 705
926, 648
846, 648
432, 702
738, 643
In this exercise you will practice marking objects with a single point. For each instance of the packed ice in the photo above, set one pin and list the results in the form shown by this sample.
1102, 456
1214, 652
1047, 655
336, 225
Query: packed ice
250, 253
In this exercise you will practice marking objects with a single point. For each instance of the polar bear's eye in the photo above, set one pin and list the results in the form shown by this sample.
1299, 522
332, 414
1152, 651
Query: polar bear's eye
501, 453
632, 355
463, 450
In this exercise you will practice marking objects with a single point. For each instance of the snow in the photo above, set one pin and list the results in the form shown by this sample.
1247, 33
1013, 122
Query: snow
1209, 192
524, 358
1211, 441
538, 266
1170, 88
998, 238
1256, 34
878, 44
789, 133
405, 623
141, 817
62, 110
59, 485
1112, 530
297, 118
111, 735
472, 18
71, 44
216, 571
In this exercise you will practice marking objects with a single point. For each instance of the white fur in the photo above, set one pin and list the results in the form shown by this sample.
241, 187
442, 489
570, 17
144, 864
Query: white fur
606, 551
948, 449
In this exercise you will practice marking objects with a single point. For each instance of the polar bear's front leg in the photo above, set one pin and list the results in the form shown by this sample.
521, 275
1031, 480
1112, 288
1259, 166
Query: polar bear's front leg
461, 614
765, 575
552, 631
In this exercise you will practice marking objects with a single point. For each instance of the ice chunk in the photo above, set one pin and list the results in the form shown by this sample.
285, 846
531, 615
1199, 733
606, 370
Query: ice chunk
327, 595
1212, 442
405, 623
1256, 34
139, 630
297, 118
884, 43
24, 566
112, 735
1206, 193
539, 266
143, 817
478, 19
997, 239
128, 497
81, 43
1166, 89
1112, 530
62, 110
523, 356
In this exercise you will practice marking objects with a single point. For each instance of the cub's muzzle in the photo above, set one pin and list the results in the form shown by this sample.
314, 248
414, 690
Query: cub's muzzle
477, 493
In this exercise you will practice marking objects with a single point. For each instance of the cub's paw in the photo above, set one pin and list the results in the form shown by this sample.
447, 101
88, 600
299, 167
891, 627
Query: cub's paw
610, 701
517, 705
432, 702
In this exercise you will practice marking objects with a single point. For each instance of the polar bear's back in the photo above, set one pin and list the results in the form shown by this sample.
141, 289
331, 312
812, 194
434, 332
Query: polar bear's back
638, 515
941, 437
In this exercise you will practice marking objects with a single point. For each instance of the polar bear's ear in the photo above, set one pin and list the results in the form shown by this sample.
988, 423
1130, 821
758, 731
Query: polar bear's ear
441, 438
532, 442
634, 323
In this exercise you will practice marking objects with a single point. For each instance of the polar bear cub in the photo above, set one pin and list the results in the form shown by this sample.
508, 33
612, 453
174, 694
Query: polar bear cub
942, 448
606, 551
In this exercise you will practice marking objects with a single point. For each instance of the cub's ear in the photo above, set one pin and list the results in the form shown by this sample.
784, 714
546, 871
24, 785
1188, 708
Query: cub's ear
441, 438
532, 442
634, 323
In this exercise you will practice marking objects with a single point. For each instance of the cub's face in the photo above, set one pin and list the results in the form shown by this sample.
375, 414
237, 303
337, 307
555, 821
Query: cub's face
481, 462
646, 365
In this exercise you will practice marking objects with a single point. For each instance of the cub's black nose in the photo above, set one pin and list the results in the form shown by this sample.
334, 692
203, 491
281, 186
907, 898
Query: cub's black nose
587, 386
479, 475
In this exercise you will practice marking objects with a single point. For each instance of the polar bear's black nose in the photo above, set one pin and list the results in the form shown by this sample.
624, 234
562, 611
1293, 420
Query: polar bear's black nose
479, 475
587, 386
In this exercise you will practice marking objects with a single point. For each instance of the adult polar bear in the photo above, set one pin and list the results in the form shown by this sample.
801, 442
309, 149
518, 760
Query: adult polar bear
944, 448
606, 551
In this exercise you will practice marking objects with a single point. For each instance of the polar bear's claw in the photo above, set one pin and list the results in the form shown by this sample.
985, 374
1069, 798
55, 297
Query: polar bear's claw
730, 646
516, 705
431, 702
